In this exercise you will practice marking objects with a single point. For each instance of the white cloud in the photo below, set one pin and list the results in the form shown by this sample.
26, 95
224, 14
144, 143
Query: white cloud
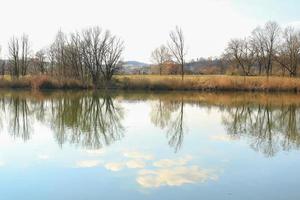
134, 164
174, 177
87, 163
114, 166
166, 163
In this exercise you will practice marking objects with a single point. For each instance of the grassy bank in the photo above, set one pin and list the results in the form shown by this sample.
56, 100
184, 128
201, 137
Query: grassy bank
41, 82
164, 82
209, 83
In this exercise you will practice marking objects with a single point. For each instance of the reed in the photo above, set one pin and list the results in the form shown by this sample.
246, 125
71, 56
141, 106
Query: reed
208, 83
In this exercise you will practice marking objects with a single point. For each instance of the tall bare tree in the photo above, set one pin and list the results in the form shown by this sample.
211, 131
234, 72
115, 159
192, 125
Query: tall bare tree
13, 47
258, 45
271, 39
94, 43
178, 48
25, 50
58, 49
112, 57
19, 51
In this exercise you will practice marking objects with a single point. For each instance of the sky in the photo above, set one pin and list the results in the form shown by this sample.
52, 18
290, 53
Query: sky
207, 25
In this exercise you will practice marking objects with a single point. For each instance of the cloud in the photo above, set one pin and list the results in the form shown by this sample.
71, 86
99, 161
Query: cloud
134, 164
221, 137
2, 163
87, 163
166, 163
114, 166
174, 177
138, 155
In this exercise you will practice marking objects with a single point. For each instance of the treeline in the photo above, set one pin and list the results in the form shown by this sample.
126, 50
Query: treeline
268, 50
91, 56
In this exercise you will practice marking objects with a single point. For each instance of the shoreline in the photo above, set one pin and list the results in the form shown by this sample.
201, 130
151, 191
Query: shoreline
193, 83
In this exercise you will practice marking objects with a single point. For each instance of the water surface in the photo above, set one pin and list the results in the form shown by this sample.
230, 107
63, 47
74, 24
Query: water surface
125, 145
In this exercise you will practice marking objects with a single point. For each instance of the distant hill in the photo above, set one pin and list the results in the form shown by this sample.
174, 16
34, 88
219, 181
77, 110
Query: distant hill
135, 64
135, 67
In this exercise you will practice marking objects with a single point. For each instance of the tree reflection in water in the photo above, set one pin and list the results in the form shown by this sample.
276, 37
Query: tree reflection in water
20, 122
93, 120
170, 115
270, 129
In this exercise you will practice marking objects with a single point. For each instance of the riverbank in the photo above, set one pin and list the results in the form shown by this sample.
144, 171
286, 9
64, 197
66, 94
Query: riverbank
209, 83
164, 83
41, 83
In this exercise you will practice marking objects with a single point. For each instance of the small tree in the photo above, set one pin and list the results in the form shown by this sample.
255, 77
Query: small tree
161, 55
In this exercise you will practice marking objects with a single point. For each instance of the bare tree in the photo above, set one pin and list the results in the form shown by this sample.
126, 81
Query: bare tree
258, 45
177, 47
161, 55
2, 65
19, 50
112, 57
240, 53
40, 58
58, 50
271, 39
289, 52
13, 47
94, 43
74, 57
25, 50
51, 58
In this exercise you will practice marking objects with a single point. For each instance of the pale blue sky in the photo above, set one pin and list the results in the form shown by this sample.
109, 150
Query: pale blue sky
283, 11
144, 24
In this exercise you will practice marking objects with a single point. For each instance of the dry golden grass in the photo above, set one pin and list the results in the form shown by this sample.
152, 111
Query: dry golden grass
41, 82
208, 83
164, 82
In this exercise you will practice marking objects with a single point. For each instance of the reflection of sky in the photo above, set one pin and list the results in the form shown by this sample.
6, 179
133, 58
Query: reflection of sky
210, 164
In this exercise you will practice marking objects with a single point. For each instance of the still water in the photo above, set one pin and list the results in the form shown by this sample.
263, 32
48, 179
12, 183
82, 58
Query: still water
125, 145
